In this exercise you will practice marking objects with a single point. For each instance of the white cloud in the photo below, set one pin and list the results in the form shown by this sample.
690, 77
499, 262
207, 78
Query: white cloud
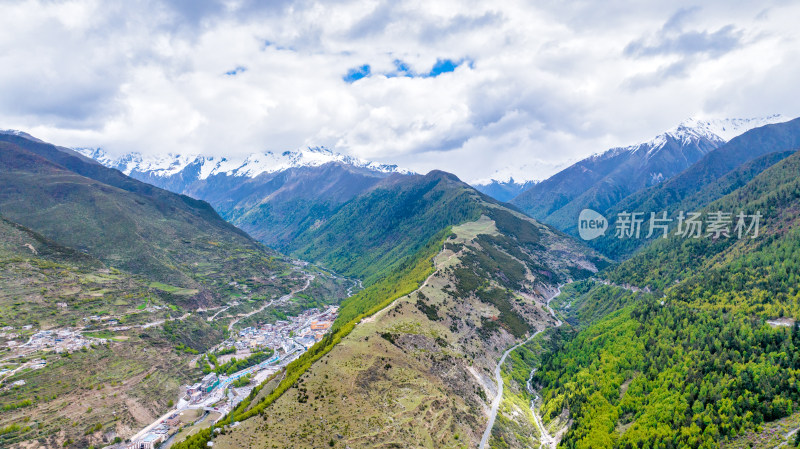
538, 85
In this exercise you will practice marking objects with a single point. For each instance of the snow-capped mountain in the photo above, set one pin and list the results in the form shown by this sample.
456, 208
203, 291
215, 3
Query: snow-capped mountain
14, 132
603, 179
266, 194
715, 130
250, 166
503, 190
517, 173
701, 135
692, 130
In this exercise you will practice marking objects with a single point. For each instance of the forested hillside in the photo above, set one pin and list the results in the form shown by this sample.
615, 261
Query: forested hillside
277, 207
711, 354
377, 230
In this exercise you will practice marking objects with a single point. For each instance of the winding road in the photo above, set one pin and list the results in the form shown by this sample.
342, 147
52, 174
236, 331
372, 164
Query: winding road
282, 299
499, 378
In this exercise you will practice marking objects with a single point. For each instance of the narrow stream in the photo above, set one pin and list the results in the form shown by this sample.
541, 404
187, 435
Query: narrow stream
545, 439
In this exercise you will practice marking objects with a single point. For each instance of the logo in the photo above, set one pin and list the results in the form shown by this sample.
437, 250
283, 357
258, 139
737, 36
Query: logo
591, 224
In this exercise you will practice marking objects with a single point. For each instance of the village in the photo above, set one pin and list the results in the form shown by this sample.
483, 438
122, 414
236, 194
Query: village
216, 394
55, 340
204, 402
302, 330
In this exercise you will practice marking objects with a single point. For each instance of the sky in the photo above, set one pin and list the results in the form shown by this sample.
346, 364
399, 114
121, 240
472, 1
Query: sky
480, 89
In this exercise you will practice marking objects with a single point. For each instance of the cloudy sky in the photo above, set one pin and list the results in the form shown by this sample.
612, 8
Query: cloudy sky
474, 88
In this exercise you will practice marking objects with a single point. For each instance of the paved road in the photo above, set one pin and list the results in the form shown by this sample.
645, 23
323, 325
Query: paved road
499, 378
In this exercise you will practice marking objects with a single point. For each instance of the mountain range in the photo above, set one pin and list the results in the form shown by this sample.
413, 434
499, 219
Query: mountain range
602, 180
274, 197
270, 195
472, 324
720, 172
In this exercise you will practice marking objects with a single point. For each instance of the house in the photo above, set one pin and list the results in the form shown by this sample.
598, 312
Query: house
173, 421
149, 441
320, 325
196, 397
306, 342
209, 382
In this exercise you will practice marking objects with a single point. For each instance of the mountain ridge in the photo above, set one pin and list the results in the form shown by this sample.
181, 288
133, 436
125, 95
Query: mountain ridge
601, 180
742, 158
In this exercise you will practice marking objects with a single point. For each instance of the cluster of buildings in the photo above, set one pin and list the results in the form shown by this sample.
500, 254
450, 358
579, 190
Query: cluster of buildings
61, 340
109, 320
152, 440
8, 332
296, 334
299, 332
197, 392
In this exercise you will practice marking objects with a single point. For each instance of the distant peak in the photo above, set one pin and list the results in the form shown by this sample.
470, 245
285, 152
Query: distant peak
14, 132
692, 130
440, 174
726, 129
509, 181
510, 175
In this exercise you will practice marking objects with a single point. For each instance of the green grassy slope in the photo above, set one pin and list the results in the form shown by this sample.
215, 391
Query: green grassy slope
125, 223
414, 374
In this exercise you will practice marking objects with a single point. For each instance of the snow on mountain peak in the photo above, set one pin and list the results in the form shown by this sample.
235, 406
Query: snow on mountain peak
725, 129
692, 130
718, 131
519, 174
251, 166
23, 134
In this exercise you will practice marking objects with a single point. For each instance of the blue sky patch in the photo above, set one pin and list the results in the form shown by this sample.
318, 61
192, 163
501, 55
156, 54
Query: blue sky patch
236, 71
402, 69
356, 73
443, 66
